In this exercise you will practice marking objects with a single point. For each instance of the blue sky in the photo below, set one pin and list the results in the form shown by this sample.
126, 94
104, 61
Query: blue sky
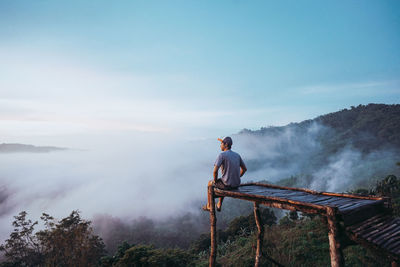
191, 68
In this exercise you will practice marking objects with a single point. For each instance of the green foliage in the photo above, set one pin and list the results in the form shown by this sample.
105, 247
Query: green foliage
240, 226
390, 186
69, 242
369, 126
23, 247
147, 255
248, 223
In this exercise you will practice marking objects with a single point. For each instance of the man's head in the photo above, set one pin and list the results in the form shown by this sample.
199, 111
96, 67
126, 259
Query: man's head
226, 143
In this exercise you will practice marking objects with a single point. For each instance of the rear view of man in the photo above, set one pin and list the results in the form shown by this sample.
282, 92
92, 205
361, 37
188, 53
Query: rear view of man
232, 168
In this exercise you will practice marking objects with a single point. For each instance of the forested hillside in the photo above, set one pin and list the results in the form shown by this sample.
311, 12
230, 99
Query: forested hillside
335, 152
367, 127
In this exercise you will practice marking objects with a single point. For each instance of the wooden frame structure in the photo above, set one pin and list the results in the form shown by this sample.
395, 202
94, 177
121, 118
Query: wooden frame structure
342, 212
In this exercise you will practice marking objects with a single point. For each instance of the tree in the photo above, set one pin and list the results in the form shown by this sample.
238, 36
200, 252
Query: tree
69, 242
23, 248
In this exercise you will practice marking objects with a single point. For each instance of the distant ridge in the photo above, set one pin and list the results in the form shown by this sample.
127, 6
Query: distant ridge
22, 148
366, 127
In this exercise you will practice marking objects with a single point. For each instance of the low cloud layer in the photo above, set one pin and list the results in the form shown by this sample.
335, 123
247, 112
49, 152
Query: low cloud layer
156, 176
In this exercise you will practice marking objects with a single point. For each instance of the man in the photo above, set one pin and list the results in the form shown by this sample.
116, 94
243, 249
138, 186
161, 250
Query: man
232, 167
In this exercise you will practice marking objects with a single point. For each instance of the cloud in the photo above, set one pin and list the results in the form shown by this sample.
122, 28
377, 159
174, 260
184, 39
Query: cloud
123, 175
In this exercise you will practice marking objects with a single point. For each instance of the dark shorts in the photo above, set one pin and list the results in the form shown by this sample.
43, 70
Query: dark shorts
220, 185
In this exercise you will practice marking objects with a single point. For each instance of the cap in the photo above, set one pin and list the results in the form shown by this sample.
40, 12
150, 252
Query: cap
227, 140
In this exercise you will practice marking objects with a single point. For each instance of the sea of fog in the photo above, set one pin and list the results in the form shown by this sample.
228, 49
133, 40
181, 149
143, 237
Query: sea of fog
156, 176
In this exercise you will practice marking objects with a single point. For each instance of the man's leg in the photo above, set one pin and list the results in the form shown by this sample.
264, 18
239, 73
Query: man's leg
219, 205
210, 183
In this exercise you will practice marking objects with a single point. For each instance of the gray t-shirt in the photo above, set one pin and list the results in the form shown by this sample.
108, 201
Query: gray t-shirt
230, 163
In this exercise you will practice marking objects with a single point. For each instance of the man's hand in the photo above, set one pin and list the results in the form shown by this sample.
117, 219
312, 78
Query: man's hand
243, 169
215, 173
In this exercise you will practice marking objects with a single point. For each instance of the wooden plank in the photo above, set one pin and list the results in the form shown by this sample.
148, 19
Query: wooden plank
390, 241
347, 206
375, 229
319, 198
307, 199
337, 201
292, 194
379, 250
360, 214
379, 227
383, 233
370, 210
350, 209
359, 226
394, 244
312, 191
387, 234
323, 200
394, 247
345, 201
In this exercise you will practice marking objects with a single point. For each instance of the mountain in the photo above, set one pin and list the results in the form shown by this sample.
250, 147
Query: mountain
22, 148
366, 127
334, 152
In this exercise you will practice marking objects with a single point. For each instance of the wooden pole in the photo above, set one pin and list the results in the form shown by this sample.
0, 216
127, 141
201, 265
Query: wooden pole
260, 234
213, 223
335, 248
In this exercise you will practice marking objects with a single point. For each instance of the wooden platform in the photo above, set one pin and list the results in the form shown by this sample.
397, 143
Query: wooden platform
351, 208
380, 232
364, 219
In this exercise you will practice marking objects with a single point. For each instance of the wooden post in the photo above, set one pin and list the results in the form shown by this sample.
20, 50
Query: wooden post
213, 223
260, 234
335, 248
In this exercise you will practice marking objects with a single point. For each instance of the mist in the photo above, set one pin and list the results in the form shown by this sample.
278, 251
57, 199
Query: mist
124, 180
125, 177
311, 155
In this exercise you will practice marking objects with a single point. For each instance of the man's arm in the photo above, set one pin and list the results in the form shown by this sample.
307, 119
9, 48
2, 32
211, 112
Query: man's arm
243, 168
215, 173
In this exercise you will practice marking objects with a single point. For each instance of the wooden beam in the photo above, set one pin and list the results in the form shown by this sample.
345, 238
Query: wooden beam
274, 202
335, 248
213, 223
260, 234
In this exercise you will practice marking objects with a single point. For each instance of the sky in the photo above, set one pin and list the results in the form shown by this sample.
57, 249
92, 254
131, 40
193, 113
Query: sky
74, 70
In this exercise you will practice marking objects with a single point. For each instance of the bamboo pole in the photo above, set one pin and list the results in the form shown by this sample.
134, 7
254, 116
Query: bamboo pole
213, 223
335, 249
260, 234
